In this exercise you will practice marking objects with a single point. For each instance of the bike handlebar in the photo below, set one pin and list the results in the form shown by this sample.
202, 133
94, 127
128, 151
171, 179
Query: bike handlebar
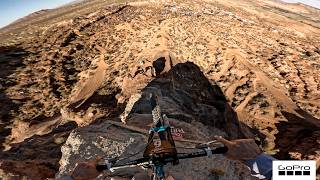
148, 161
205, 152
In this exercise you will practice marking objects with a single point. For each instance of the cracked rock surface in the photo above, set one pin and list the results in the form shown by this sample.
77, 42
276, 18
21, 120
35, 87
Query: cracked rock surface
92, 61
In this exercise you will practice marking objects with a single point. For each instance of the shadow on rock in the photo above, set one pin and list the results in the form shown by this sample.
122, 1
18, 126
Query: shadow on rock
105, 102
187, 95
36, 157
10, 59
190, 101
298, 137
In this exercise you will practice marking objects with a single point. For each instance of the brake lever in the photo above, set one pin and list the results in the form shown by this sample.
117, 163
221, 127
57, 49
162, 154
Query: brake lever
220, 150
106, 164
206, 145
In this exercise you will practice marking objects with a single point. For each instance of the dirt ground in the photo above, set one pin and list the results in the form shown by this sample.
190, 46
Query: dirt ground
74, 64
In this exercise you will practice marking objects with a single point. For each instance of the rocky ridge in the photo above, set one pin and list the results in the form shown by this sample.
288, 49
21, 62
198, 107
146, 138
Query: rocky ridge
264, 55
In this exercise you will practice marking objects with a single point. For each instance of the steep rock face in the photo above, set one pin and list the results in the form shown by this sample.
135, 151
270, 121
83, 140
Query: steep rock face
263, 54
102, 140
258, 63
37, 157
191, 103
187, 95
107, 140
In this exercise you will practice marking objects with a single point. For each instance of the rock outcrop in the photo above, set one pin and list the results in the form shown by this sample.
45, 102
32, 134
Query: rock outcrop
107, 140
263, 55
191, 103
187, 95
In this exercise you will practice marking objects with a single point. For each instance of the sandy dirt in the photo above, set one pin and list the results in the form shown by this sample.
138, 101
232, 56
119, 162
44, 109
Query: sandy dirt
76, 64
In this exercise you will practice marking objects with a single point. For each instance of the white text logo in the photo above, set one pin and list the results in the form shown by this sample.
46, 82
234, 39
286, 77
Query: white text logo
294, 170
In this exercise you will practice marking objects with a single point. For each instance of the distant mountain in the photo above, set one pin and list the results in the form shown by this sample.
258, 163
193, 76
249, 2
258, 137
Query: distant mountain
39, 15
26, 19
32, 15
311, 3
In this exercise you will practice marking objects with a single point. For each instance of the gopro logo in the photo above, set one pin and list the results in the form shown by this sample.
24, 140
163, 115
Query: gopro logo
294, 170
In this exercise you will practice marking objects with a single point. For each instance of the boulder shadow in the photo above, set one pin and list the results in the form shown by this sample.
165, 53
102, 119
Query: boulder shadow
38, 156
299, 135
185, 94
11, 58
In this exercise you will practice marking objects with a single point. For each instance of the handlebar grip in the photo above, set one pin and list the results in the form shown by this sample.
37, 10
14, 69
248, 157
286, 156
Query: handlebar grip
220, 150
106, 163
102, 167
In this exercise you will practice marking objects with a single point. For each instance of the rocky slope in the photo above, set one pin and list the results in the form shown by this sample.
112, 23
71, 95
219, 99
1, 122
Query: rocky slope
201, 112
91, 60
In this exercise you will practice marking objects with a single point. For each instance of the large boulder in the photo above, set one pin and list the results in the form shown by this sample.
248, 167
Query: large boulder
102, 140
108, 140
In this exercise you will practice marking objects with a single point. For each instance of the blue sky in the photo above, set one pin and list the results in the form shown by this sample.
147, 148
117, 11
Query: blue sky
11, 10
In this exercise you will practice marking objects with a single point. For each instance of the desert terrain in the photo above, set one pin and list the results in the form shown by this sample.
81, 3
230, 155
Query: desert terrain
75, 68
